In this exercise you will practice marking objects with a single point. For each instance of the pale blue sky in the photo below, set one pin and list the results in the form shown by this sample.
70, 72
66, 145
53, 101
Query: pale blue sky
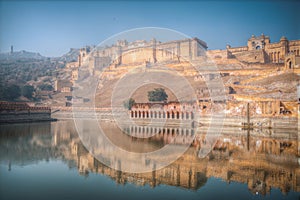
52, 27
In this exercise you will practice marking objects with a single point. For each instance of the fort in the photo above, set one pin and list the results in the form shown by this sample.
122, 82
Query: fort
141, 51
259, 49
261, 72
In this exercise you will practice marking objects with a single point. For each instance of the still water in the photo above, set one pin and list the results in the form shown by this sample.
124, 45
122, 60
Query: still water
49, 161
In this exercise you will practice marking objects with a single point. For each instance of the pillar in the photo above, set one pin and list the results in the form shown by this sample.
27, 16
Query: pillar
277, 107
154, 50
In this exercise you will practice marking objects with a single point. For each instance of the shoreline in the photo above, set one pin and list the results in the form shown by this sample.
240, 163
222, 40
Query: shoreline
19, 121
284, 122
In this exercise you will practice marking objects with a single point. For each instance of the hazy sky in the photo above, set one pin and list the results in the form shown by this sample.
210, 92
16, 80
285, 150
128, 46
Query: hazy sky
53, 27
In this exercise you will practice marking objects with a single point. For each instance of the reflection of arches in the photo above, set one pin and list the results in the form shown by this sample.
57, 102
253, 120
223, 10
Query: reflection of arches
177, 115
143, 114
131, 114
155, 114
159, 114
164, 114
140, 115
173, 116
192, 115
147, 114
135, 114
168, 115
151, 114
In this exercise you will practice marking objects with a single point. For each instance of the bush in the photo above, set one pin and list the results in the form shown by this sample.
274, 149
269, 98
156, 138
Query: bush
46, 87
129, 103
27, 91
11, 92
158, 94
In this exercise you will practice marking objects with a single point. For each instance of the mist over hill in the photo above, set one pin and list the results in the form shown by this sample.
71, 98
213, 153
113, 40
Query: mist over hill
24, 55
21, 55
70, 56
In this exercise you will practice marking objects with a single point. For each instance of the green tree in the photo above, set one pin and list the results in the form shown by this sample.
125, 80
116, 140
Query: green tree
11, 92
158, 94
46, 87
2, 89
129, 103
27, 91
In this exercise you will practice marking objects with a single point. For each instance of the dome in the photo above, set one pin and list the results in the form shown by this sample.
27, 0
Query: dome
283, 38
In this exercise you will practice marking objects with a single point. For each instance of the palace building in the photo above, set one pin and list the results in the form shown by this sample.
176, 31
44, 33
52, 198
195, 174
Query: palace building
259, 49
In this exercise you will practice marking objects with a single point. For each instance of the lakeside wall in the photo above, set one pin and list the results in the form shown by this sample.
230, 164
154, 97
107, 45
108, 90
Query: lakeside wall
17, 112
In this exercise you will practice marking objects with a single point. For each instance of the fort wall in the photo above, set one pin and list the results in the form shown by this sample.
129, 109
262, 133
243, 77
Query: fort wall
11, 112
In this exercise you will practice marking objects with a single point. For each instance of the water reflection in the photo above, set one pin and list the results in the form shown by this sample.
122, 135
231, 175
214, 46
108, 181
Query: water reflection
262, 158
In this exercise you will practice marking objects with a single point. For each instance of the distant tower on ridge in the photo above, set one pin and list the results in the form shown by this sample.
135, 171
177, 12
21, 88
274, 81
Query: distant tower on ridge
11, 49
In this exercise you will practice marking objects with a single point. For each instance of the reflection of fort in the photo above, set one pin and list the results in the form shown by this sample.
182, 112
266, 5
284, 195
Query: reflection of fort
261, 162
262, 159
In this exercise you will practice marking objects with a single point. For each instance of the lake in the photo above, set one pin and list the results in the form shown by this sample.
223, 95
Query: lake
49, 161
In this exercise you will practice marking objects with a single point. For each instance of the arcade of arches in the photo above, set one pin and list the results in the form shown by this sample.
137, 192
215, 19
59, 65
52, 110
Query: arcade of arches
171, 110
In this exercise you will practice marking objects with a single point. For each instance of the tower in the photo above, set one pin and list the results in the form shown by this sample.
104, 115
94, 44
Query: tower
258, 42
11, 49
